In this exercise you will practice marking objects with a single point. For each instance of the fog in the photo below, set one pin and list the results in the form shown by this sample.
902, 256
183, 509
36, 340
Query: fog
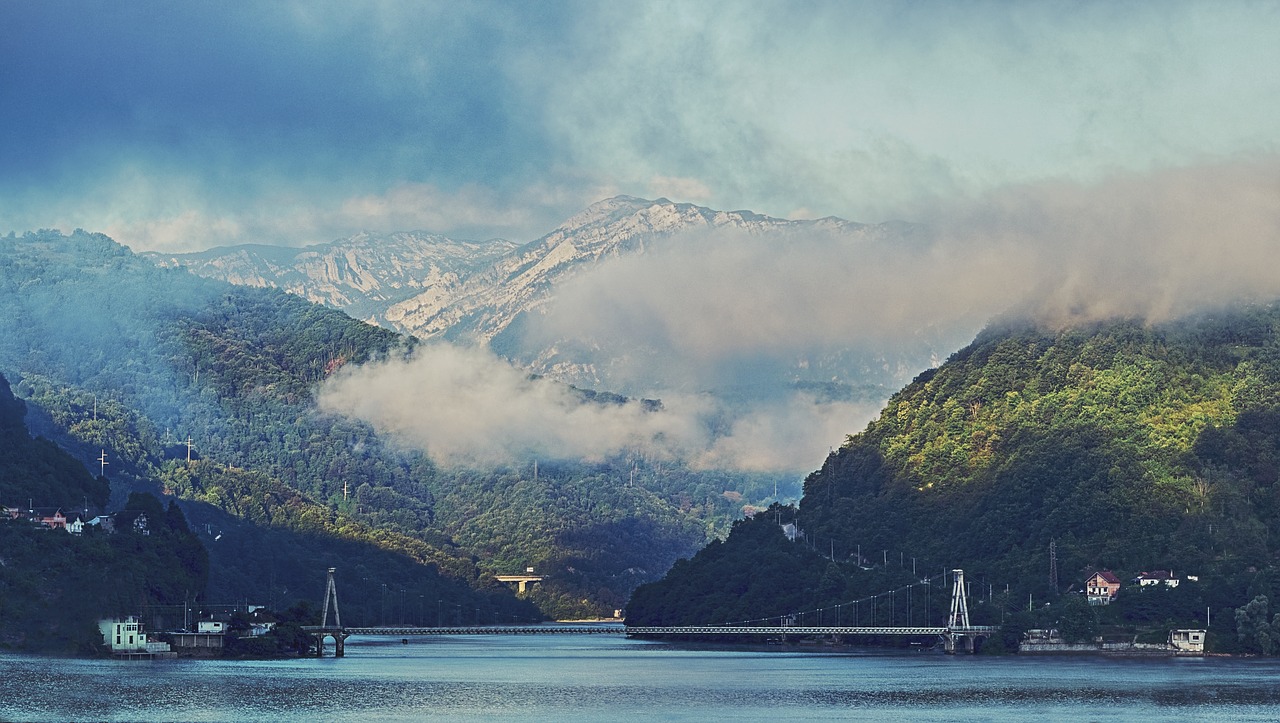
1150, 246
465, 406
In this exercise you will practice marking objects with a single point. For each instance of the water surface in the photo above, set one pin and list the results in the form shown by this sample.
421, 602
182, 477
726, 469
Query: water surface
611, 678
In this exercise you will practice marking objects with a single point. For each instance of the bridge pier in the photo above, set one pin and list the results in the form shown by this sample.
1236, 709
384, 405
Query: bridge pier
339, 642
951, 641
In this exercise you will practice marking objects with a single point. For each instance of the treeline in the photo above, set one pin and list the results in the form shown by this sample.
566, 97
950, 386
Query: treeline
1125, 446
234, 369
1118, 446
55, 586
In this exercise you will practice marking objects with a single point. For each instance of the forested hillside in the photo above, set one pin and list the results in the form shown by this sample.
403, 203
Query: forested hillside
1123, 446
1131, 446
55, 586
117, 355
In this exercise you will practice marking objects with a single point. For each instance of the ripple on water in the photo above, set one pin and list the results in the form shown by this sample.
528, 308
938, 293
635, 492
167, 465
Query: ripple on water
544, 678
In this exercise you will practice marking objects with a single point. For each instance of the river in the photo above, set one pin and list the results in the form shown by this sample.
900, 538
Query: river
600, 678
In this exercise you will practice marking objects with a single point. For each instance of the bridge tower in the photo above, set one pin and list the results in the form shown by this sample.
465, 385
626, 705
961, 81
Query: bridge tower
958, 619
336, 631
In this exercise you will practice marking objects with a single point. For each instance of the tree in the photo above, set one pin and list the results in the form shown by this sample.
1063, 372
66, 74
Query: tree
1077, 619
1252, 628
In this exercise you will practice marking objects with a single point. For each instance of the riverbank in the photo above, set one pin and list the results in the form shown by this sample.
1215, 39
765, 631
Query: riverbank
1181, 643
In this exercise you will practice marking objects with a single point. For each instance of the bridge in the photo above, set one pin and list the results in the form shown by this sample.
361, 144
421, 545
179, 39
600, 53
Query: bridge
521, 580
956, 634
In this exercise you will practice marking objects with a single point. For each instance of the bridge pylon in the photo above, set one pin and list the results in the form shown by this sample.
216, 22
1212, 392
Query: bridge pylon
958, 629
335, 631
959, 616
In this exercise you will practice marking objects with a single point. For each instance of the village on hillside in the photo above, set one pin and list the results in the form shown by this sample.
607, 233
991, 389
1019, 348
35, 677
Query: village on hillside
77, 521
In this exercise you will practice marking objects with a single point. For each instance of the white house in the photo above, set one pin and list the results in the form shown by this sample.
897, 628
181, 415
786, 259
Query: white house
1155, 578
1190, 641
127, 636
75, 523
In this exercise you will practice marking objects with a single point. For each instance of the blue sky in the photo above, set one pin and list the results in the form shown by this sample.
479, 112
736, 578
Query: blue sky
184, 125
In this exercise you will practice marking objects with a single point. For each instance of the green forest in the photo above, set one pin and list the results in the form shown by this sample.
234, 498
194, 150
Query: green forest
1121, 446
174, 357
54, 586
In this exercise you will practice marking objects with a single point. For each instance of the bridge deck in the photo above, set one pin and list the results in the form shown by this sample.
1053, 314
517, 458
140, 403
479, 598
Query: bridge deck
402, 631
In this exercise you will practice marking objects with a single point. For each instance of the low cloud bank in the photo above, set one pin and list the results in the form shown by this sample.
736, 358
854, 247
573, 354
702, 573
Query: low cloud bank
1152, 246
465, 406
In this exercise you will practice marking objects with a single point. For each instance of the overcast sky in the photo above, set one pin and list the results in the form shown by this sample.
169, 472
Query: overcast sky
184, 125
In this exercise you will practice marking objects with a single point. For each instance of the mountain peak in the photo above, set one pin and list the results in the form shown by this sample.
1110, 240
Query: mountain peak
609, 210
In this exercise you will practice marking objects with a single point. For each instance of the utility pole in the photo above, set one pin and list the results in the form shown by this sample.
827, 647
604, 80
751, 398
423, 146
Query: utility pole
189, 445
1053, 565
102, 459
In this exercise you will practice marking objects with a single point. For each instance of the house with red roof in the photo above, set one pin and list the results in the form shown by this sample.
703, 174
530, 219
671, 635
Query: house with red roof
1102, 587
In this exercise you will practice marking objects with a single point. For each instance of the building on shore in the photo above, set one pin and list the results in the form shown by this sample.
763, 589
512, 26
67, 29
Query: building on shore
1182, 642
127, 639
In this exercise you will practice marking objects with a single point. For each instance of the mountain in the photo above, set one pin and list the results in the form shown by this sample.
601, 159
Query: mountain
524, 279
54, 586
362, 275
112, 353
1034, 450
495, 293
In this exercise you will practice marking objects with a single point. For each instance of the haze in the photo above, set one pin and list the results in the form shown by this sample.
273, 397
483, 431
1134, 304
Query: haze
1064, 161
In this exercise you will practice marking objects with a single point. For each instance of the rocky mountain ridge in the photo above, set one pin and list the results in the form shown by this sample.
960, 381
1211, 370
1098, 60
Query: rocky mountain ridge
362, 275
490, 292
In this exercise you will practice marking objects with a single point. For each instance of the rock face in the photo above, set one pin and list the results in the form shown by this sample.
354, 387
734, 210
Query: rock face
430, 285
524, 279
484, 292
362, 275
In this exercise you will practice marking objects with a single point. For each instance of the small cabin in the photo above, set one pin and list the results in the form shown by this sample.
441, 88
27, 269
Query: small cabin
1157, 577
1102, 587
1187, 641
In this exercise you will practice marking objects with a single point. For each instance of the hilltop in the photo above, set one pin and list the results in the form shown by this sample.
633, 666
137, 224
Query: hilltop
499, 293
114, 353
54, 586
1119, 446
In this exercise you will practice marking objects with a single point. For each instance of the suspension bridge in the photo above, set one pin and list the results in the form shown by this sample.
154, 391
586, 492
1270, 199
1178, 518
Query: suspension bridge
956, 634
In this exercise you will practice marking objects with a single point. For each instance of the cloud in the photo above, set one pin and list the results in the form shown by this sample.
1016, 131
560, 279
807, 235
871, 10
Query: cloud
1148, 245
868, 110
790, 434
1153, 245
173, 213
464, 406
690, 190
705, 310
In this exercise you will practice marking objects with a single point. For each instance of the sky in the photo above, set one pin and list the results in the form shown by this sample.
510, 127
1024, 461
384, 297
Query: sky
1068, 160
182, 126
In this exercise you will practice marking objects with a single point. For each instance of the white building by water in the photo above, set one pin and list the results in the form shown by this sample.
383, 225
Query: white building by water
127, 636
